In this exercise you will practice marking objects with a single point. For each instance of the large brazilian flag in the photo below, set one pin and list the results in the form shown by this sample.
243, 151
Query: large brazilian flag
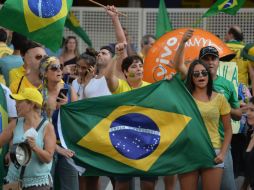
3, 124
40, 20
227, 6
154, 130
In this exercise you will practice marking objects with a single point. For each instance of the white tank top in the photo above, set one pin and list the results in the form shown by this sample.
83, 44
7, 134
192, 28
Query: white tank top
95, 88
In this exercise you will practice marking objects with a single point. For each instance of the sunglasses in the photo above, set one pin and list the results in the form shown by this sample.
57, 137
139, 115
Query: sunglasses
38, 57
197, 74
55, 67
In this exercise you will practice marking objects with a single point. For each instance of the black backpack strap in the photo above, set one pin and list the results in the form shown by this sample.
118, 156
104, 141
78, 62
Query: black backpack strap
20, 82
22, 173
41, 123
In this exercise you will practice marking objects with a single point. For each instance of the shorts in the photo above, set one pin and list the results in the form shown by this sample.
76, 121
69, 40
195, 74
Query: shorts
220, 165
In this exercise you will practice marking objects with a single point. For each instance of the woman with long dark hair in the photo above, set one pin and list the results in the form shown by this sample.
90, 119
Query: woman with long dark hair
212, 107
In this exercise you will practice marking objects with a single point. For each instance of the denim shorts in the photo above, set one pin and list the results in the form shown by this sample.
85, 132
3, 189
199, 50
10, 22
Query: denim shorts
220, 165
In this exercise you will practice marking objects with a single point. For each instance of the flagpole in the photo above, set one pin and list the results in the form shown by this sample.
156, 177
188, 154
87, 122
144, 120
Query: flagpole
101, 5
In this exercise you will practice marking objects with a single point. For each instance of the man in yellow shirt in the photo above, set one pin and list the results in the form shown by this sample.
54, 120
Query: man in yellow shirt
32, 55
29, 46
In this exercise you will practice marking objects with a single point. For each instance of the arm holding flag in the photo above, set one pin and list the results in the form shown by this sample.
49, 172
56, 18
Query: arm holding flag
120, 38
226, 120
112, 12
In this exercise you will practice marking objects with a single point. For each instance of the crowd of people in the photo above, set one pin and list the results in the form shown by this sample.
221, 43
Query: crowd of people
37, 83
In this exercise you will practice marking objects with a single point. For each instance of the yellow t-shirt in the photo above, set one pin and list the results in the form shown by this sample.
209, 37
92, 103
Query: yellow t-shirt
211, 112
23, 84
16, 74
124, 86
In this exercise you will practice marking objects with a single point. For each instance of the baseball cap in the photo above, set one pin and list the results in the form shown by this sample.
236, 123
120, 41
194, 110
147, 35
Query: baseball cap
208, 50
31, 94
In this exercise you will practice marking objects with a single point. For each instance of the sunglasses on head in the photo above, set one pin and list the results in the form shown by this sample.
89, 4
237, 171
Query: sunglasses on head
197, 74
55, 67
38, 57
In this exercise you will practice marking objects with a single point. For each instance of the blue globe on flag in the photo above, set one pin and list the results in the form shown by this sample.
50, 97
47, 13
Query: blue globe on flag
228, 4
45, 8
134, 135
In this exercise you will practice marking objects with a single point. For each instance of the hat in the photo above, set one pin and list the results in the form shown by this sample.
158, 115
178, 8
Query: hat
248, 52
31, 94
208, 50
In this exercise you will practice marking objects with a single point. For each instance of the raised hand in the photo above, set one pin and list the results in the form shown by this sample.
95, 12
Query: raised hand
120, 47
187, 35
111, 11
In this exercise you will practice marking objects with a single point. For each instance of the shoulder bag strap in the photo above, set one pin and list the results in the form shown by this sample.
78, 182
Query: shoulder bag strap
19, 84
41, 123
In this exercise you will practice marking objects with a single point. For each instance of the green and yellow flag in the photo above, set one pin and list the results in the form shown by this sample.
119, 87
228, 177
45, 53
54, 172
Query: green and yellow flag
73, 24
41, 21
154, 130
3, 124
227, 6
163, 23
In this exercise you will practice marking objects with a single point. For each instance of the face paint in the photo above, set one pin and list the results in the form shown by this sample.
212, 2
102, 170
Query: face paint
131, 75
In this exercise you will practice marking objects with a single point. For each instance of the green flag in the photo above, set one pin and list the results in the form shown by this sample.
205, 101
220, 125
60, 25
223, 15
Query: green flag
73, 24
163, 23
227, 6
154, 130
41, 21
3, 124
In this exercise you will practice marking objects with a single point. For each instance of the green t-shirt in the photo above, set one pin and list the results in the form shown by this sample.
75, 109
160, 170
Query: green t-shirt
225, 87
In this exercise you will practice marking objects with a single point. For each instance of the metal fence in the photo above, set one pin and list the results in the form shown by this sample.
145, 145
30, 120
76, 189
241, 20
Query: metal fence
141, 21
